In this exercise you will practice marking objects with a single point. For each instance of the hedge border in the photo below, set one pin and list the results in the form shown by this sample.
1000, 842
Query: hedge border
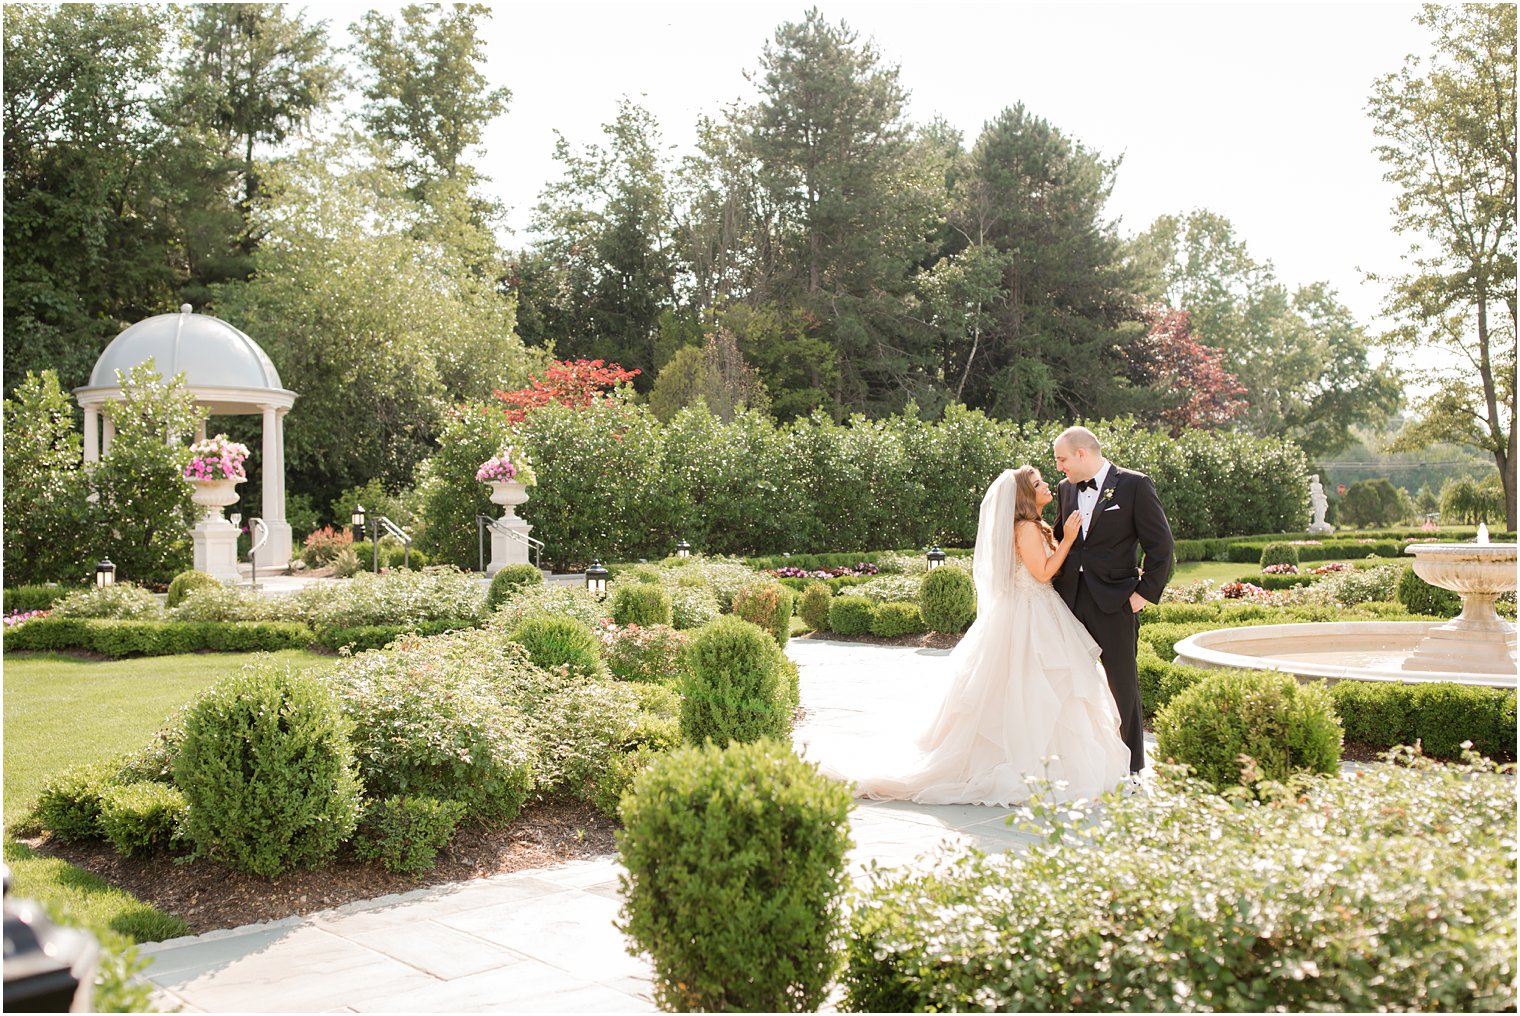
118, 638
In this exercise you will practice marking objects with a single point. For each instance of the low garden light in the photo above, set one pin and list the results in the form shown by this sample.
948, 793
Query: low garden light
357, 521
936, 557
683, 549
105, 573
596, 579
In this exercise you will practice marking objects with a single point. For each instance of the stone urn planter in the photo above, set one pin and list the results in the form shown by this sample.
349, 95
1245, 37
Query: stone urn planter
509, 494
214, 495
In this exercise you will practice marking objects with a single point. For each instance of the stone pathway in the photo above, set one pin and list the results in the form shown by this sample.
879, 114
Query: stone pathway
535, 940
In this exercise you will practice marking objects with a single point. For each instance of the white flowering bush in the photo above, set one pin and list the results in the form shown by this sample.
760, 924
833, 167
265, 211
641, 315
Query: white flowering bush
396, 598
1349, 588
556, 600
121, 600
220, 602
902, 588
1391, 888
691, 606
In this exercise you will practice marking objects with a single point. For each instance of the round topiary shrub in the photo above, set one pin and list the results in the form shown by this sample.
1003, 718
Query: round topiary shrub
509, 580
1420, 597
69, 803
142, 818
893, 620
406, 833
768, 604
185, 583
641, 603
813, 606
692, 606
1279, 553
552, 641
850, 615
1284, 726
947, 600
267, 771
735, 867
734, 685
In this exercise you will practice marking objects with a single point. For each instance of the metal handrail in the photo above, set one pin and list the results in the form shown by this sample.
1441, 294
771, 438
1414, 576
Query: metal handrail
253, 550
401, 534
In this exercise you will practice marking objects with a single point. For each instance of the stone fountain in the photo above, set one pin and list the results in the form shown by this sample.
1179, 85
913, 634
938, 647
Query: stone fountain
1476, 647
1477, 640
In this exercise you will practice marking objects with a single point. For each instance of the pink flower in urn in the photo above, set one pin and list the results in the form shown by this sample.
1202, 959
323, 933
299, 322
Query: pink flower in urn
217, 458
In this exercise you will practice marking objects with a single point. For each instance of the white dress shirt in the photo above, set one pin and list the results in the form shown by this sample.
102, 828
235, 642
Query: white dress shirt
1087, 500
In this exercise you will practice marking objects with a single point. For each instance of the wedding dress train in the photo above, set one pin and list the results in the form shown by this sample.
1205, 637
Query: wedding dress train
1026, 698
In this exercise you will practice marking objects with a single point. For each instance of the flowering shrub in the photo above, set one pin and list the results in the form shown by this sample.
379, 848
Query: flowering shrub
652, 653
574, 383
1201, 591
509, 464
16, 617
566, 601
863, 568
1330, 569
1280, 569
217, 458
1249, 592
1352, 587
1389, 888
118, 600
322, 545
890, 588
401, 597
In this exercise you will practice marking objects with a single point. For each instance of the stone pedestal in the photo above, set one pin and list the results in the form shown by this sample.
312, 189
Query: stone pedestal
1477, 640
507, 548
277, 550
215, 545
214, 539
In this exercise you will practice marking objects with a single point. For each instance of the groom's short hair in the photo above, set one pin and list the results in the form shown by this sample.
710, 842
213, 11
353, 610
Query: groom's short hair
1079, 437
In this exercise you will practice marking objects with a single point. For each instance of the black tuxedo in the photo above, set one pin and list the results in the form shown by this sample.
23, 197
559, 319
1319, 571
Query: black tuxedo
1101, 571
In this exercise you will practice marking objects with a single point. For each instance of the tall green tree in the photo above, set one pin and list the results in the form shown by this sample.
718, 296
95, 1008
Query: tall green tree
45, 491
1447, 121
852, 202
1035, 200
85, 247
605, 269
1304, 361
253, 75
378, 331
429, 102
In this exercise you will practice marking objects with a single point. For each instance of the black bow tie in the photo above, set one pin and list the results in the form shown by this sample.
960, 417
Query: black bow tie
1088, 485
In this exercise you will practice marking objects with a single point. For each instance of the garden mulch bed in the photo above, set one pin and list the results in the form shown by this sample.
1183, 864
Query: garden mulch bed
210, 896
927, 640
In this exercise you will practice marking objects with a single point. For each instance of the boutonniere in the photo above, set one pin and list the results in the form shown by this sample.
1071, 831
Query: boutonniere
1108, 495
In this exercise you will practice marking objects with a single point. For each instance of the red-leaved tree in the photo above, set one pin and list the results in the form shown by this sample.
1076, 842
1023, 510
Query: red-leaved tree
575, 383
1199, 391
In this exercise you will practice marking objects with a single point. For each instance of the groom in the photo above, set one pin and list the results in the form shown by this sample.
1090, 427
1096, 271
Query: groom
1100, 580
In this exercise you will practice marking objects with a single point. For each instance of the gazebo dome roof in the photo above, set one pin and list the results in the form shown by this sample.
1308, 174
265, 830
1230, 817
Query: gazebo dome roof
210, 352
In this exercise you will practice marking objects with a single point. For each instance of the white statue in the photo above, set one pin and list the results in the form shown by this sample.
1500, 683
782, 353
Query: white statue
1319, 502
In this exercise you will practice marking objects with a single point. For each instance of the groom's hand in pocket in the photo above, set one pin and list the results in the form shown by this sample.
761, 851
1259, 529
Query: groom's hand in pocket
1137, 603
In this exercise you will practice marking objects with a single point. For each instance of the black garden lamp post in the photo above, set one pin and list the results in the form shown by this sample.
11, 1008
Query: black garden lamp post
105, 573
596, 579
683, 549
936, 558
357, 521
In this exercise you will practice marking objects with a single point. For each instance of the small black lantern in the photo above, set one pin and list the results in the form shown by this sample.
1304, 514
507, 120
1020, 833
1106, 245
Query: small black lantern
48, 968
105, 573
936, 558
357, 521
596, 579
683, 549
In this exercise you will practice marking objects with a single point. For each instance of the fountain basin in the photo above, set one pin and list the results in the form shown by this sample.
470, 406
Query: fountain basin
1332, 651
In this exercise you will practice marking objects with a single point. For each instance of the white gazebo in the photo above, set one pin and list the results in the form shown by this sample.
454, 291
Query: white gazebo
228, 374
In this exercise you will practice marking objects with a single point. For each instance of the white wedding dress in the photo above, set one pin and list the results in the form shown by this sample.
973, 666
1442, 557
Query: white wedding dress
1026, 698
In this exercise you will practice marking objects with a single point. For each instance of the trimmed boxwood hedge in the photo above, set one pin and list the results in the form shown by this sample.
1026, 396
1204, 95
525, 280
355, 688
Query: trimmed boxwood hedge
29, 598
1438, 714
378, 636
111, 637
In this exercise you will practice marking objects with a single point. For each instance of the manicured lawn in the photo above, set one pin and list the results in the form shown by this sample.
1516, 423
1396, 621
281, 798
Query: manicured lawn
63, 710
1229, 571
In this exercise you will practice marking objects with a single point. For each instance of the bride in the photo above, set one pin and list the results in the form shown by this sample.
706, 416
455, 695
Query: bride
1027, 696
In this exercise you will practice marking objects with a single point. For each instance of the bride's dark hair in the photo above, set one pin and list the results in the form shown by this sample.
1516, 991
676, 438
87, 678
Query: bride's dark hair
1025, 508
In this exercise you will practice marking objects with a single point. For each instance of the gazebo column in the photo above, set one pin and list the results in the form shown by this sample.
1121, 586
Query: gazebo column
200, 431
277, 550
91, 434
108, 433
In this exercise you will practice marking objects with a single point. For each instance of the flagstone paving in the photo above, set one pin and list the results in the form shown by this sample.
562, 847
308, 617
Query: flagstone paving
542, 939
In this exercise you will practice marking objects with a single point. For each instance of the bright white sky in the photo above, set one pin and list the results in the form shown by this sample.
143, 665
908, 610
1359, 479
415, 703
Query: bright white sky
1254, 111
